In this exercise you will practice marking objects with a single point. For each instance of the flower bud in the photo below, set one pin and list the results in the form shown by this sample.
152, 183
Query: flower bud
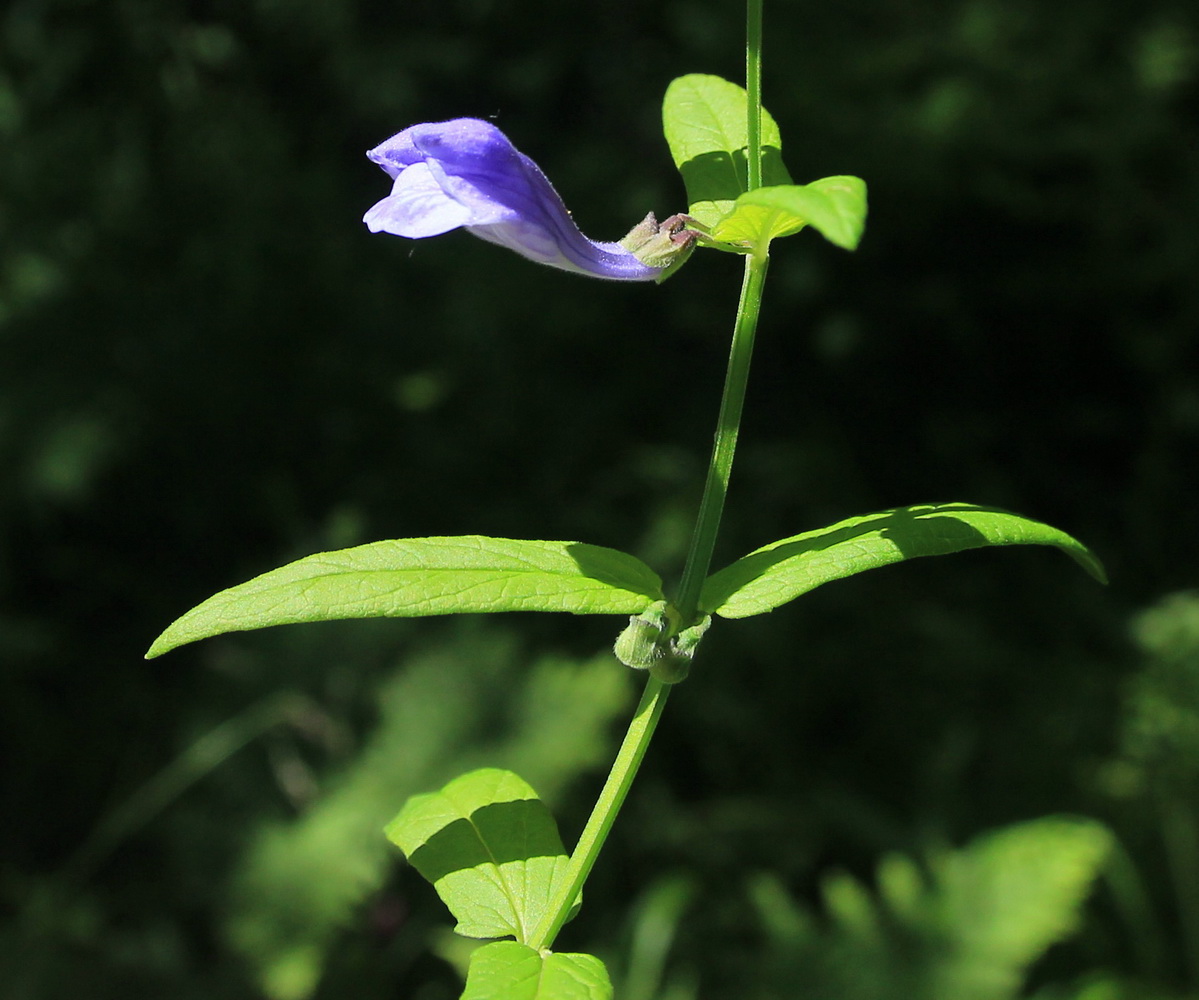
649, 642
675, 663
643, 641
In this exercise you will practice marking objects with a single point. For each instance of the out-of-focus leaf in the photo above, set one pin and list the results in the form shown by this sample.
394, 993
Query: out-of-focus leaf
966, 925
1010, 895
655, 924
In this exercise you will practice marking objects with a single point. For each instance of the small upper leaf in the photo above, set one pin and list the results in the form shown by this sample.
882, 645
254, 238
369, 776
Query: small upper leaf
505, 970
491, 849
781, 571
704, 120
411, 577
834, 206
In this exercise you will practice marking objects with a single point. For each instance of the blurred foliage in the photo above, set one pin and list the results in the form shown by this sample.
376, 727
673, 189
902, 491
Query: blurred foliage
967, 931
208, 367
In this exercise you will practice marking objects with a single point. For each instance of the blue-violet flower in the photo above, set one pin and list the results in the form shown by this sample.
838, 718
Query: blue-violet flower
466, 173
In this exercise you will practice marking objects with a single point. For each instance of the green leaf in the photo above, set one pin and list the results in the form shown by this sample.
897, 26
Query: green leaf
505, 970
703, 118
833, 206
411, 577
1014, 892
491, 849
780, 572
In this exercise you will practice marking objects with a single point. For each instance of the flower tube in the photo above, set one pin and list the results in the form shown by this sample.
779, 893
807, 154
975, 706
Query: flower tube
465, 173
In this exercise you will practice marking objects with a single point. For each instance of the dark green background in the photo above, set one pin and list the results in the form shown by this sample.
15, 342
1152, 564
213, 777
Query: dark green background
208, 367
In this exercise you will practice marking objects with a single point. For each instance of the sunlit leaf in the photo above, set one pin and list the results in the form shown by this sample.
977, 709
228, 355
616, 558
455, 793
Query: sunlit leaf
703, 118
505, 970
833, 206
491, 849
780, 572
411, 577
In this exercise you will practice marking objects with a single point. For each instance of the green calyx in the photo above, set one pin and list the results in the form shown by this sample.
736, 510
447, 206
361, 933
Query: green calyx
665, 244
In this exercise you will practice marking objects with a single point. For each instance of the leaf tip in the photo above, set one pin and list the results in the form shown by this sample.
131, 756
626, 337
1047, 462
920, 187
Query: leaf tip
1094, 567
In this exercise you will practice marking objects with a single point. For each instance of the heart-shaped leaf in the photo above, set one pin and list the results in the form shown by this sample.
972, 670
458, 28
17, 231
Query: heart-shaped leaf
780, 572
411, 577
491, 849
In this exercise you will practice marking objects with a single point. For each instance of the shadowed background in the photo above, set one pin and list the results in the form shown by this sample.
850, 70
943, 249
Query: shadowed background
209, 367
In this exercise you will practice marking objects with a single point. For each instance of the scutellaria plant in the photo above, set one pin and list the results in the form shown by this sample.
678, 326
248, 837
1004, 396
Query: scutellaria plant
485, 840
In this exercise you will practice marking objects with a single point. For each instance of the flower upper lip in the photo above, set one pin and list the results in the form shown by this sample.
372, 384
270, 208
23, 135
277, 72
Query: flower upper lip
466, 173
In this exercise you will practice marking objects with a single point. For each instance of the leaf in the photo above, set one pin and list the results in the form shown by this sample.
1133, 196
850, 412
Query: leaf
703, 118
505, 970
833, 206
491, 849
1014, 892
780, 572
411, 577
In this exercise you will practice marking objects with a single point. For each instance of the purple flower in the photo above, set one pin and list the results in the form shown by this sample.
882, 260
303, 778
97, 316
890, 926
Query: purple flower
466, 172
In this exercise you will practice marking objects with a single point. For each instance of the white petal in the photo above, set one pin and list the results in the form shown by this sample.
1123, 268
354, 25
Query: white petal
417, 207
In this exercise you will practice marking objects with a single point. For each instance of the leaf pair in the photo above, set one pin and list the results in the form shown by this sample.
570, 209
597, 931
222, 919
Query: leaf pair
413, 577
704, 119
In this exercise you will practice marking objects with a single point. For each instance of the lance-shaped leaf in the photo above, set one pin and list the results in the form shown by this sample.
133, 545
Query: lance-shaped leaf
703, 118
491, 849
411, 577
505, 970
833, 206
780, 572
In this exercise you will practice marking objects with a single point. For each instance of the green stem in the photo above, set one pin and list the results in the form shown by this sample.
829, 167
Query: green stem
707, 524
703, 541
753, 89
653, 700
603, 815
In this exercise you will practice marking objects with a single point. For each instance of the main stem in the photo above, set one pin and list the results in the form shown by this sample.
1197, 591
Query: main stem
653, 699
603, 815
707, 525
753, 90
711, 507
